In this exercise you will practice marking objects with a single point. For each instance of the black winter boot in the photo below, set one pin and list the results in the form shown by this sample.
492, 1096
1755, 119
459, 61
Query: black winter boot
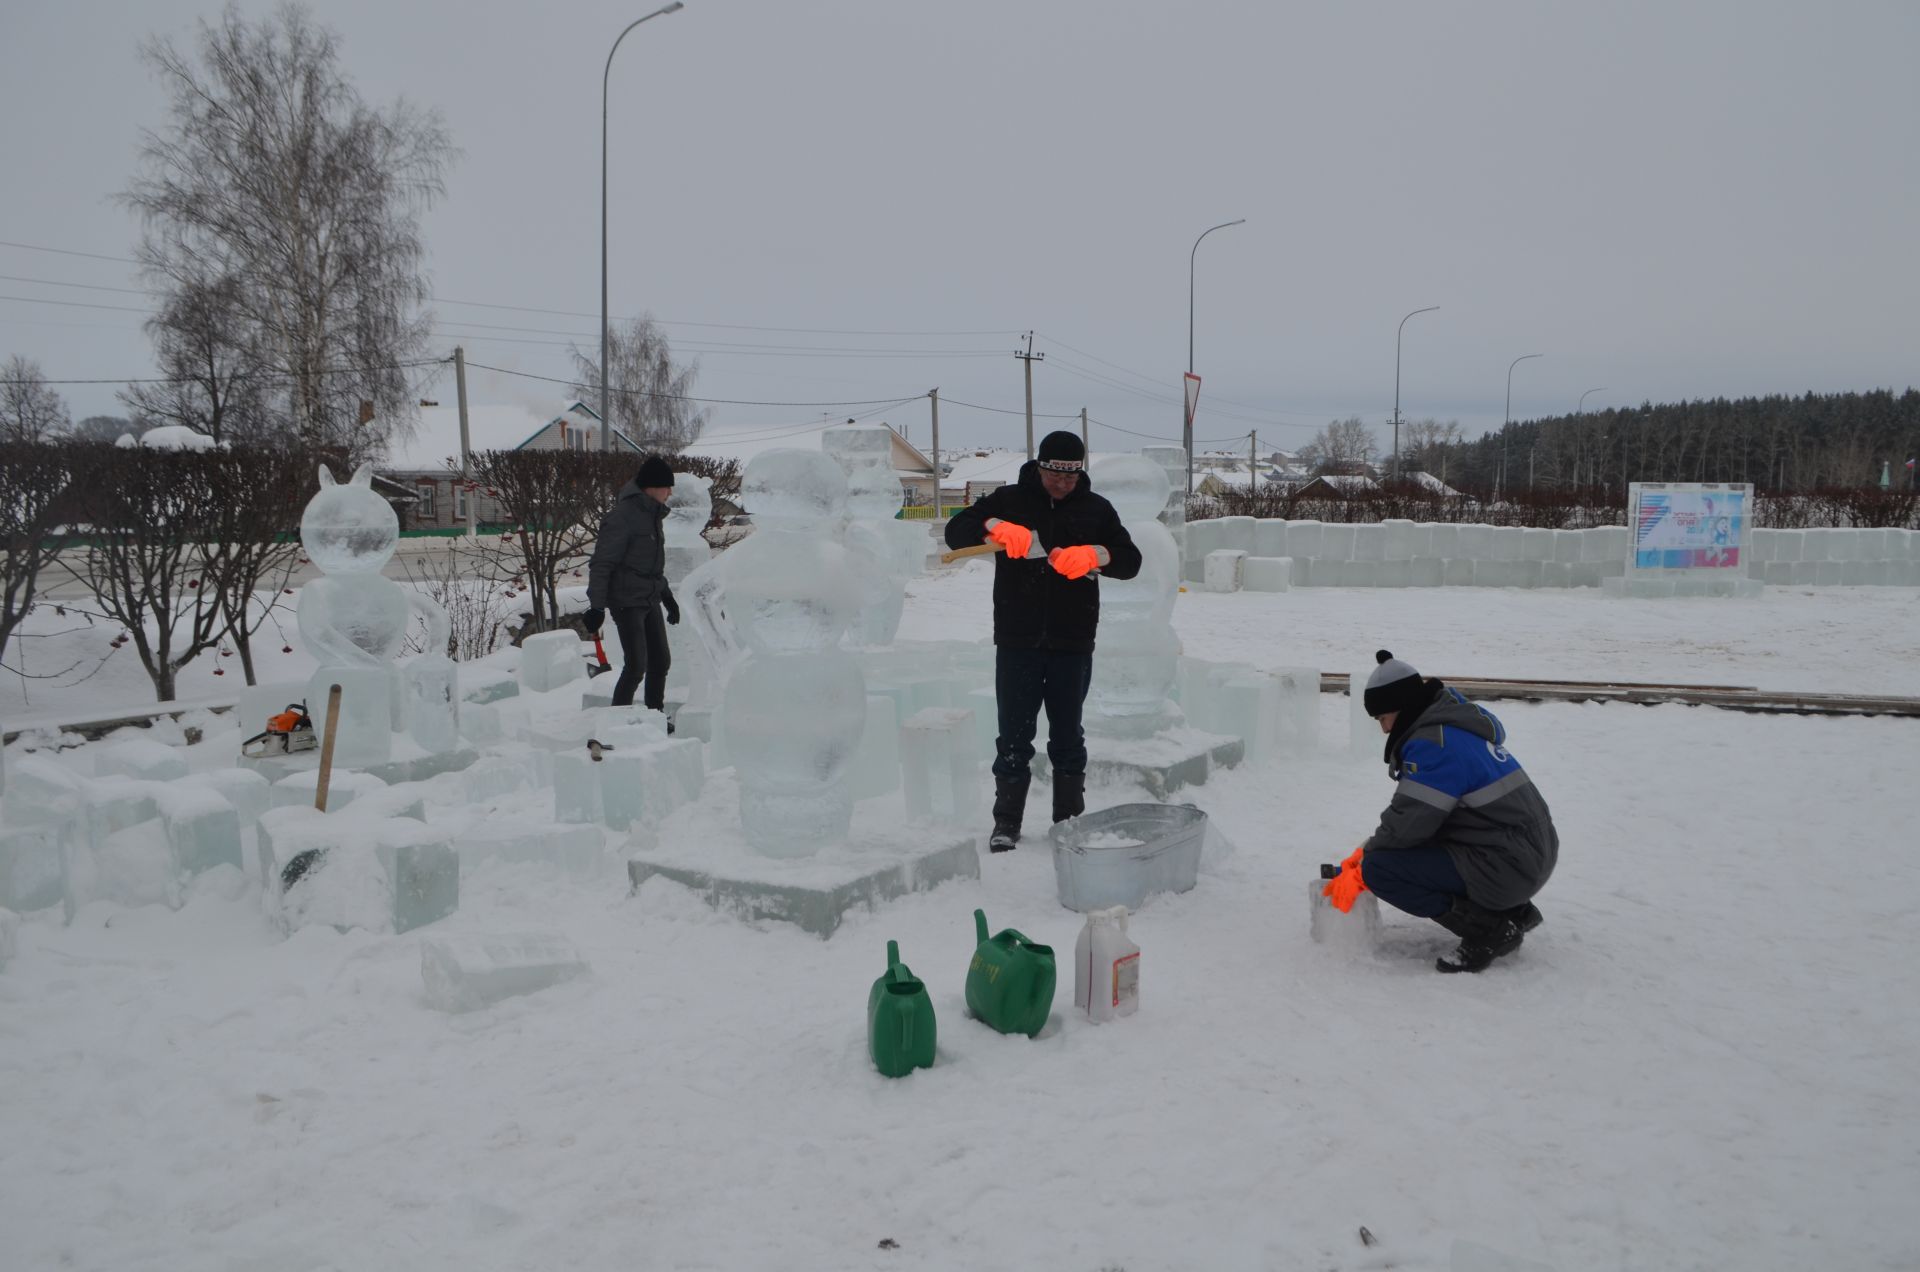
1069, 795
1009, 805
1526, 915
1484, 936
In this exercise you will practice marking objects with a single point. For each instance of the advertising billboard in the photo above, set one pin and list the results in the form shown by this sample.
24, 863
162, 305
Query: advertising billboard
1689, 526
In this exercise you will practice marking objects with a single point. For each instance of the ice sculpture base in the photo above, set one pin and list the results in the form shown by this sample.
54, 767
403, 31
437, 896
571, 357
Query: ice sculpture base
416, 766
701, 847
1163, 764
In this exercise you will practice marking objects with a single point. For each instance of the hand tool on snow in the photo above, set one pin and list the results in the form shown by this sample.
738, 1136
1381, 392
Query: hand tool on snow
288, 732
600, 663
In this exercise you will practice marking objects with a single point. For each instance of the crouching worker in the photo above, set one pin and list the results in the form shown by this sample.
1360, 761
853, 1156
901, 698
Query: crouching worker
1467, 841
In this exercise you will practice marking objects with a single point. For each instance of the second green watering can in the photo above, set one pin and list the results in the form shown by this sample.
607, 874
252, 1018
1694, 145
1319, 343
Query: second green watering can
1010, 982
900, 1030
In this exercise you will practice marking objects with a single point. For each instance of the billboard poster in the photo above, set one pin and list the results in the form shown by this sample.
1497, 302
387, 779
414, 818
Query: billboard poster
1689, 526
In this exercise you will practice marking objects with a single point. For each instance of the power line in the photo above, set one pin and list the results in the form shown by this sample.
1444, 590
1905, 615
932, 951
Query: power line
1000, 410
61, 251
77, 304
270, 376
54, 282
682, 397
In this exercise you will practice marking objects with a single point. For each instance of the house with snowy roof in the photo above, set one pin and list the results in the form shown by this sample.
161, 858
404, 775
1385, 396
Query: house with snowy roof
910, 464
427, 463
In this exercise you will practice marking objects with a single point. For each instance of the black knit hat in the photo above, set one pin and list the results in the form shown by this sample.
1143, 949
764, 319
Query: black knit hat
1063, 452
653, 472
1394, 686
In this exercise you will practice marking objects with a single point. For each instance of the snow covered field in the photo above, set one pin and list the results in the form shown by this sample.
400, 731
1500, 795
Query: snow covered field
1704, 1059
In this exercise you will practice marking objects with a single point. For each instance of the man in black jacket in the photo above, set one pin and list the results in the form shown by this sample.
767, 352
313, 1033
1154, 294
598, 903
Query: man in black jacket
1046, 603
627, 577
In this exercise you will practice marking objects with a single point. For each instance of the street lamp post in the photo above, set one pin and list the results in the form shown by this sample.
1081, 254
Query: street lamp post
1509, 419
1396, 386
1186, 416
1582, 410
606, 372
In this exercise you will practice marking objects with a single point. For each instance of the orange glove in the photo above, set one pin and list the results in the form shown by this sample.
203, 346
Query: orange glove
1076, 562
1346, 888
1016, 539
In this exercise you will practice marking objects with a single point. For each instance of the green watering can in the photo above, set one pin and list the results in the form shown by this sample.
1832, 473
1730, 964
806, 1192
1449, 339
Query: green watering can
1010, 983
899, 1020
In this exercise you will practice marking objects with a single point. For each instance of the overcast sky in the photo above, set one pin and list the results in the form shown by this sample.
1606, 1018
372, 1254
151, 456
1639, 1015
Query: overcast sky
1667, 200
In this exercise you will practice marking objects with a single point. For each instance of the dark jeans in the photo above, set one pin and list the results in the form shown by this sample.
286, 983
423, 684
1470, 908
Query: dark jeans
1421, 881
643, 646
1024, 680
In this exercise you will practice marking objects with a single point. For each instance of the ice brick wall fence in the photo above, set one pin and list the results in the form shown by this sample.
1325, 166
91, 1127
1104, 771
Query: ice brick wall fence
1284, 554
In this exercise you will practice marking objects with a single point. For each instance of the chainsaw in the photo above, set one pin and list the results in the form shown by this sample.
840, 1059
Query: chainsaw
289, 731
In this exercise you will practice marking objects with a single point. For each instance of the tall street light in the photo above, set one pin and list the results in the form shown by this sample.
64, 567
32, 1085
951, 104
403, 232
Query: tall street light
606, 372
1396, 386
1582, 410
1186, 430
1509, 420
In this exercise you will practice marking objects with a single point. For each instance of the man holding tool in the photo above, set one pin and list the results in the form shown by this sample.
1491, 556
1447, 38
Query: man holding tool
1051, 533
628, 577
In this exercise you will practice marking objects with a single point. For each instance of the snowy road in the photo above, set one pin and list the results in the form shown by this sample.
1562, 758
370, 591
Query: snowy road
1704, 1059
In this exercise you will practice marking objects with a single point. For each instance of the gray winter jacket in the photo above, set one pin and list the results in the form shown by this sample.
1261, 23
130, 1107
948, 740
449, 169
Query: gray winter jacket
1462, 790
629, 565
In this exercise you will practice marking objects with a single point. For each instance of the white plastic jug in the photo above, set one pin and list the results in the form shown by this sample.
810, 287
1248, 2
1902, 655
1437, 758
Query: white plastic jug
1106, 966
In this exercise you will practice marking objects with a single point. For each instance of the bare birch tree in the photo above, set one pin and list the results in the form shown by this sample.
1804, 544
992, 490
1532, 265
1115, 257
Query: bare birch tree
29, 410
273, 178
649, 393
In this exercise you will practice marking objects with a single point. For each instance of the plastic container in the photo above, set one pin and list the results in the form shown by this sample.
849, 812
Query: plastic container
1010, 981
1106, 966
900, 1025
1124, 854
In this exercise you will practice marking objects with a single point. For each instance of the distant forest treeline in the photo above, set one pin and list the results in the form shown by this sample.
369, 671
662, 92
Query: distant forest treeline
1781, 444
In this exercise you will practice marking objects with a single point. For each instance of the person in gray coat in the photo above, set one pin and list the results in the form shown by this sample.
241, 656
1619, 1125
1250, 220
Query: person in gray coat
1467, 840
627, 578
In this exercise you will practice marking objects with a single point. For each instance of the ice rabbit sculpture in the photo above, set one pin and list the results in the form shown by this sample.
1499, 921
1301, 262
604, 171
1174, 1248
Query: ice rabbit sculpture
353, 620
794, 707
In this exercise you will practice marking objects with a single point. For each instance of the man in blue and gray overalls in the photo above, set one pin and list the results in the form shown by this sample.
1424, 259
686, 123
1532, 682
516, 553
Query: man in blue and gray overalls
1467, 841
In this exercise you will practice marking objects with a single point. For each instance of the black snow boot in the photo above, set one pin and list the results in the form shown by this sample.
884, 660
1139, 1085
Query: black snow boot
1069, 795
1526, 915
1484, 936
1009, 805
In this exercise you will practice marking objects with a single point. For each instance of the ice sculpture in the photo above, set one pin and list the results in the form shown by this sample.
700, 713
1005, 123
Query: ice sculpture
353, 621
794, 706
873, 499
1138, 655
689, 508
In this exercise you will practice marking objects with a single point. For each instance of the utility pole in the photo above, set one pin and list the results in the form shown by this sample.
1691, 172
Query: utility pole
1396, 386
1253, 462
1029, 357
1086, 443
466, 443
933, 396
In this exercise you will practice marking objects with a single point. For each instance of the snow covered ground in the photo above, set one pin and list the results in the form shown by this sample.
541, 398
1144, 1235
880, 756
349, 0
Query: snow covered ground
1704, 1059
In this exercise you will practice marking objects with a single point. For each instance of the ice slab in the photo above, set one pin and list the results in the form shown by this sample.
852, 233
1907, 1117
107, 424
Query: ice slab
114, 803
138, 758
1296, 729
1538, 544
1270, 539
1267, 574
570, 730
482, 683
575, 850
202, 829
883, 858
1164, 763
1369, 542
33, 866
550, 660
132, 867
494, 776
250, 793
1236, 533
638, 777
1426, 571
1305, 539
876, 763
939, 765
1456, 572
42, 792
381, 875
1249, 710
1355, 931
1223, 569
1474, 542
1443, 541
1336, 543
1396, 539
470, 972
343, 787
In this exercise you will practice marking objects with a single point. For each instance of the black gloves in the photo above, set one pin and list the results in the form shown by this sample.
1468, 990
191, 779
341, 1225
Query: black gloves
671, 606
594, 618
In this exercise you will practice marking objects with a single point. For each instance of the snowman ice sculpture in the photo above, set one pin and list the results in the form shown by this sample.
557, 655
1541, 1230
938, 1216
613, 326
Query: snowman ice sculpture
353, 621
793, 709
1138, 655
689, 508
873, 497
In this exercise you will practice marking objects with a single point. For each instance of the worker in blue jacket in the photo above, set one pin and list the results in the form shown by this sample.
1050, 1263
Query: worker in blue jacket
1467, 840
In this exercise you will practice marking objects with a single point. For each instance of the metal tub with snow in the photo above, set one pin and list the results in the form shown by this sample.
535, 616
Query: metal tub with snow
1124, 854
